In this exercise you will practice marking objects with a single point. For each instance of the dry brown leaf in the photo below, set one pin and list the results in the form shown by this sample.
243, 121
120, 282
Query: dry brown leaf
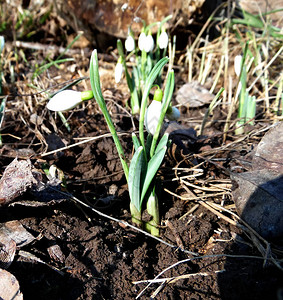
193, 94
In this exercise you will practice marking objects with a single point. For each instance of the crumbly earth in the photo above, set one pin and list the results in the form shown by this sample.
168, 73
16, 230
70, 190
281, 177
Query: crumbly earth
102, 259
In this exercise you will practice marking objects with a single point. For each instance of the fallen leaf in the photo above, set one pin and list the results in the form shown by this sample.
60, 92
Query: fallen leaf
193, 94
9, 286
16, 179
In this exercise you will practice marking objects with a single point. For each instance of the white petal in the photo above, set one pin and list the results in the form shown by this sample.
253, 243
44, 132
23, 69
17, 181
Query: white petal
152, 116
64, 100
130, 44
163, 40
237, 64
118, 72
149, 43
174, 115
142, 41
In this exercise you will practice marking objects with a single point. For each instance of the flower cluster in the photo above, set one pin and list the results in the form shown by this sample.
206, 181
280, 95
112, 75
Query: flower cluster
144, 55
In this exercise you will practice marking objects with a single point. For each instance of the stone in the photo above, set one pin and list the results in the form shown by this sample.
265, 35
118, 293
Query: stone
259, 201
114, 17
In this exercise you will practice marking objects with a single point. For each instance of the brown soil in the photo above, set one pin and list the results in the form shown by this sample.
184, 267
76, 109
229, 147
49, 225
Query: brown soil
101, 258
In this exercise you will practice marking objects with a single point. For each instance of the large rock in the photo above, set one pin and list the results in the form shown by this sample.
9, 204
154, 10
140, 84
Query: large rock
114, 16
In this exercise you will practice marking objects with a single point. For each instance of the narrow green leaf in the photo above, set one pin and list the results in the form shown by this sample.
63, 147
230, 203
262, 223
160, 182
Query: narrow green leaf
152, 168
148, 144
2, 110
134, 179
96, 89
136, 141
162, 143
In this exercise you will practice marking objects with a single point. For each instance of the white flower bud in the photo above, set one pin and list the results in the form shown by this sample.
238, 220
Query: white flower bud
149, 43
130, 43
163, 40
237, 64
64, 100
152, 116
142, 41
174, 114
119, 71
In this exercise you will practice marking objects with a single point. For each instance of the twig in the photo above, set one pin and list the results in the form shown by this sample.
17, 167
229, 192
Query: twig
195, 258
83, 142
174, 279
125, 223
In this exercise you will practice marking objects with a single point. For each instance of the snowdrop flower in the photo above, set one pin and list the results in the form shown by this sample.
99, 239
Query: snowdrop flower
173, 113
119, 70
237, 68
142, 40
148, 43
130, 43
163, 40
124, 7
65, 100
153, 112
237, 64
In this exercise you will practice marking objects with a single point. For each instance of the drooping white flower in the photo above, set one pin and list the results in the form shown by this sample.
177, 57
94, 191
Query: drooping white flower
237, 64
124, 7
119, 70
163, 40
152, 116
148, 43
65, 100
173, 114
237, 68
130, 43
142, 41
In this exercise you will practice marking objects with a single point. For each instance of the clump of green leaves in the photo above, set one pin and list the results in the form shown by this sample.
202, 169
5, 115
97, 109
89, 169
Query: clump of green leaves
149, 153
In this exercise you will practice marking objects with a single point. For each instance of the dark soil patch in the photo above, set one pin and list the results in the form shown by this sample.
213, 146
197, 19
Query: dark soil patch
101, 259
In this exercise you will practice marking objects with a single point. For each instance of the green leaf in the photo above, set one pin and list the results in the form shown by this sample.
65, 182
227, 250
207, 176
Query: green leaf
148, 144
134, 179
2, 110
162, 143
97, 93
152, 168
136, 141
